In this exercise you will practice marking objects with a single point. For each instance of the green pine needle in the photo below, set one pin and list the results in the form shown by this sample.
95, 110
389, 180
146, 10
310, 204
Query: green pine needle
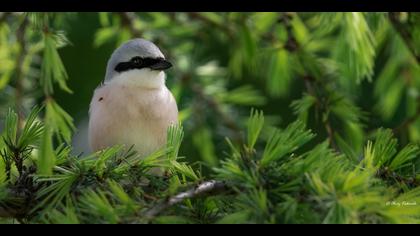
52, 69
282, 142
255, 125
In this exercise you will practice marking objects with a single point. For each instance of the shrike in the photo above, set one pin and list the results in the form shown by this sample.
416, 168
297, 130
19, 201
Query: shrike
133, 106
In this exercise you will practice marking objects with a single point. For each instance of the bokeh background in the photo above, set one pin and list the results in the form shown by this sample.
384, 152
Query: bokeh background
344, 74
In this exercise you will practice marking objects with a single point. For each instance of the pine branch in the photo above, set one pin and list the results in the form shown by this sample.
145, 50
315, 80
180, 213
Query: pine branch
405, 34
386, 174
292, 46
211, 187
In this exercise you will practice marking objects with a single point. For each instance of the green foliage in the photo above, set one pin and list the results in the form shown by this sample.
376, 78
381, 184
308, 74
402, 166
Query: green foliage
175, 136
301, 107
281, 119
281, 143
244, 95
18, 146
255, 124
59, 121
203, 141
99, 188
357, 51
319, 179
52, 67
47, 158
279, 73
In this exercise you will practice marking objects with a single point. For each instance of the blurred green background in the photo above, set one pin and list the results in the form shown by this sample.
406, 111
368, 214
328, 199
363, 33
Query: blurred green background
344, 74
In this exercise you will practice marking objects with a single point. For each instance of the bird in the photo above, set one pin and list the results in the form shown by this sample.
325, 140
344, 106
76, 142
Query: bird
133, 106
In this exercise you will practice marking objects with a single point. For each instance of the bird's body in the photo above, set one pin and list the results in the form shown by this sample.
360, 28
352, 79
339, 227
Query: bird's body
132, 108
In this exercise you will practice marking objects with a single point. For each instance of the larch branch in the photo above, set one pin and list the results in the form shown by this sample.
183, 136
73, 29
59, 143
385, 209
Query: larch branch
205, 188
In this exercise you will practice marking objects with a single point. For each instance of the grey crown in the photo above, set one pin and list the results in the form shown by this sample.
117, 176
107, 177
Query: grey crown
132, 48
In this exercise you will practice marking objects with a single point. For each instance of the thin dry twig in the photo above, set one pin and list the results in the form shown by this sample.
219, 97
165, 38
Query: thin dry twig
205, 188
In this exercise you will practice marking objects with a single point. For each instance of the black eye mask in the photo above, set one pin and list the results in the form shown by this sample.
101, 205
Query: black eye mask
139, 63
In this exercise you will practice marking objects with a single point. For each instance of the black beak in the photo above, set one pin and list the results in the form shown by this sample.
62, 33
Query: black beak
162, 64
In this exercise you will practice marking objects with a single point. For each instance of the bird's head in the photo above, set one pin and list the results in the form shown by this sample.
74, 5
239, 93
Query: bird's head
137, 62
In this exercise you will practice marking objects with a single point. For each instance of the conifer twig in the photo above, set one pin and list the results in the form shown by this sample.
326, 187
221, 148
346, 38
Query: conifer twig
205, 188
386, 174
292, 45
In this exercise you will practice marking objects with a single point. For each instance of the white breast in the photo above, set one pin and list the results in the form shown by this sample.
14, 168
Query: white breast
131, 114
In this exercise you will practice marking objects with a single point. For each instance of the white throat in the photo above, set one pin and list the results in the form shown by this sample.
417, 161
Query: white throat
145, 78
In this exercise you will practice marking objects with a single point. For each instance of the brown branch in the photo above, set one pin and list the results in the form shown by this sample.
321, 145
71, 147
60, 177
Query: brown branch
7, 213
128, 20
211, 187
388, 175
291, 44
330, 133
405, 34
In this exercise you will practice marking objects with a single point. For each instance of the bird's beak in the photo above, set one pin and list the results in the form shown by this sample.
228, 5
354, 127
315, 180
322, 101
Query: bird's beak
161, 65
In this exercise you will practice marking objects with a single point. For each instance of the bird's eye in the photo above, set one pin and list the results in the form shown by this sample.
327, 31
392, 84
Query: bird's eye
137, 61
